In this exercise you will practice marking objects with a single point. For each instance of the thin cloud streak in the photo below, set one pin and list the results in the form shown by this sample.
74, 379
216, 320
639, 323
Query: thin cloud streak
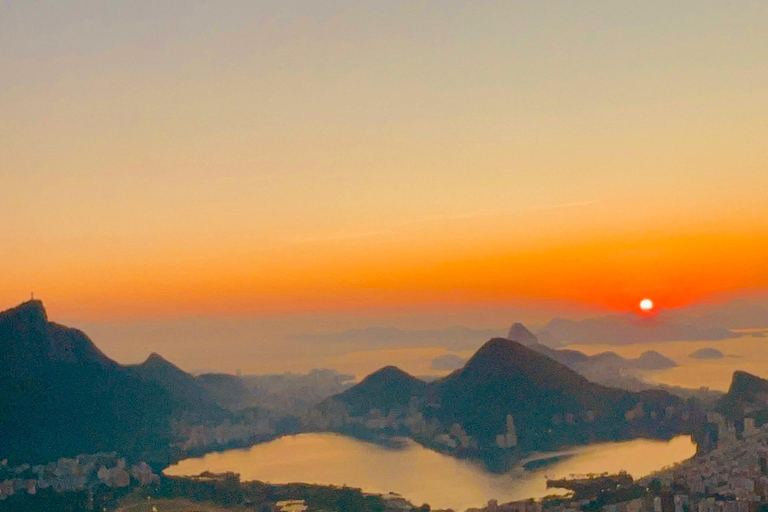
436, 218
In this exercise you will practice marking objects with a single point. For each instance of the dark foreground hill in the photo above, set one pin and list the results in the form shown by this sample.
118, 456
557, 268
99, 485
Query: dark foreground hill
60, 396
385, 389
508, 397
551, 404
189, 397
747, 397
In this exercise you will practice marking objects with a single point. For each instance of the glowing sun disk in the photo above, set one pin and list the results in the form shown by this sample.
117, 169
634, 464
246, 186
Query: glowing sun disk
646, 304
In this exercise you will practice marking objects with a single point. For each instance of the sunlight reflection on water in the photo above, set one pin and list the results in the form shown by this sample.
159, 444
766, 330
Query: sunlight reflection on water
422, 475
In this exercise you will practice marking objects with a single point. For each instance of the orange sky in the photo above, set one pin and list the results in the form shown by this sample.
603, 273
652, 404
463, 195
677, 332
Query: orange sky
480, 263
353, 157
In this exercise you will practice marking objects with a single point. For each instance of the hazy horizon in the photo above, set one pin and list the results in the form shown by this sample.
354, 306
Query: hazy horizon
298, 344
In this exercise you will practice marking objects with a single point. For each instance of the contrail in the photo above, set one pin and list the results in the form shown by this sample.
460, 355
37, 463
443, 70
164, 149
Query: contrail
436, 218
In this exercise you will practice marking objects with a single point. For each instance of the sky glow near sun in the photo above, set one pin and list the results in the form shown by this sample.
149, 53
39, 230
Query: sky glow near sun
380, 157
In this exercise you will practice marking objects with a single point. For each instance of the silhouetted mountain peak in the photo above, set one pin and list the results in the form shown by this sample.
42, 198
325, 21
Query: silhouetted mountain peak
498, 346
54, 375
520, 333
388, 375
28, 339
155, 359
747, 391
746, 383
185, 390
652, 360
23, 332
383, 389
32, 307
499, 354
26, 314
156, 367
503, 360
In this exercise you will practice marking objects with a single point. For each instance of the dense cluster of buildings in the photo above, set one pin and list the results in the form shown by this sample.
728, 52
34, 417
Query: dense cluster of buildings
410, 423
732, 477
82, 472
202, 436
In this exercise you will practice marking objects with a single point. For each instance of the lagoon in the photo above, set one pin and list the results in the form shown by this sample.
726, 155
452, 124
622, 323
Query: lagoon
422, 475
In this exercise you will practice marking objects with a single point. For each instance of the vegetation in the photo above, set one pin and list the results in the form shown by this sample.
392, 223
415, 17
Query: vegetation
226, 489
48, 500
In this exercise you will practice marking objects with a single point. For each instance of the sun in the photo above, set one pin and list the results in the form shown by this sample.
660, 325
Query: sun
646, 305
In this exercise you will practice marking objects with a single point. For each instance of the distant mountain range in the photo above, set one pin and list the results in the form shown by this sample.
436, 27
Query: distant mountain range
629, 328
605, 367
507, 399
742, 313
694, 323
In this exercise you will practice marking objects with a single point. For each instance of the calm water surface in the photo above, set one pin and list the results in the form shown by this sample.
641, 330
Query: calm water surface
422, 475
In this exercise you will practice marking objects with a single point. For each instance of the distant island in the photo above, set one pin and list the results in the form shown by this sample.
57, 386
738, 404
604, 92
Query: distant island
706, 353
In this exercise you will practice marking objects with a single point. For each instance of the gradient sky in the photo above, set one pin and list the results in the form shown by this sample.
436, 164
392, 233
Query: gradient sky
260, 159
